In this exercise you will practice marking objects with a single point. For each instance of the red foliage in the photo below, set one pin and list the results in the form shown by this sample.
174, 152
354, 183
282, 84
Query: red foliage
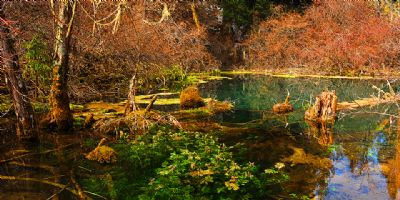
334, 35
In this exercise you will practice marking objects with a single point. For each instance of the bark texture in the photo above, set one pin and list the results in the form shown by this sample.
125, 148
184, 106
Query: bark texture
26, 125
60, 113
324, 108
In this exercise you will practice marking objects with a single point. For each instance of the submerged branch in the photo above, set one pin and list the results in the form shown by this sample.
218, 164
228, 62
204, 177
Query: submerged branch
58, 185
32, 154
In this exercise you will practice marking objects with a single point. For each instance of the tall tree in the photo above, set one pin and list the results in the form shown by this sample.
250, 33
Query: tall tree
60, 113
26, 126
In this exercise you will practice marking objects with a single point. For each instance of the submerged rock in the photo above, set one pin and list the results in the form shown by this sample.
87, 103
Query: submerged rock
299, 156
190, 98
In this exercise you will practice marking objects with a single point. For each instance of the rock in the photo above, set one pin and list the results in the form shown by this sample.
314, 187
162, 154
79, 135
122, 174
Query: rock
190, 98
299, 156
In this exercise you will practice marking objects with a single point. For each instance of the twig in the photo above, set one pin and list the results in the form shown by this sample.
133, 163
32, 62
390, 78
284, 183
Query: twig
97, 195
148, 108
77, 186
58, 192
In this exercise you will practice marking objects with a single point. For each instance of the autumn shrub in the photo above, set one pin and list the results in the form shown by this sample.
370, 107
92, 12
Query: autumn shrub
331, 36
190, 98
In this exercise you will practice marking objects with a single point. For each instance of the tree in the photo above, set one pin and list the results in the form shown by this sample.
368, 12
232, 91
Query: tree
60, 113
26, 126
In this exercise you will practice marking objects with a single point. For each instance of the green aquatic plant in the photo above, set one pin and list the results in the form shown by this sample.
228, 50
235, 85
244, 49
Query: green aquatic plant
172, 164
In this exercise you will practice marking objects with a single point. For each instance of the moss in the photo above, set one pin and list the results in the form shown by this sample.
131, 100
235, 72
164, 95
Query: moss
103, 154
145, 99
192, 114
5, 103
79, 121
190, 98
294, 75
40, 107
76, 108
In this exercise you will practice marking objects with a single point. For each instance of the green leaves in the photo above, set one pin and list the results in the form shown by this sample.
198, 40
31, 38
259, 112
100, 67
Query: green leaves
174, 164
241, 12
37, 58
200, 166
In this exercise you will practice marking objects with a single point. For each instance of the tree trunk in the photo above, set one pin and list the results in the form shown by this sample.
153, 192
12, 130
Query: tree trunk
26, 125
131, 104
60, 113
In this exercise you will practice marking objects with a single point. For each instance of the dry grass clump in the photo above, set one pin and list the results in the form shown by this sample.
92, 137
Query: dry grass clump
190, 98
282, 108
219, 106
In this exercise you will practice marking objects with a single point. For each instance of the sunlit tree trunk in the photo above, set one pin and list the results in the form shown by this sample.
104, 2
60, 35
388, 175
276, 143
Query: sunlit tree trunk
60, 113
26, 126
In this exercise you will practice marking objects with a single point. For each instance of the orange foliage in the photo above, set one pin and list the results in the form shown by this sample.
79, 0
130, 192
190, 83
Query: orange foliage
334, 36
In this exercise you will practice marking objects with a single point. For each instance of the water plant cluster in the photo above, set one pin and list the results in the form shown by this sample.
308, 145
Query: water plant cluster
172, 164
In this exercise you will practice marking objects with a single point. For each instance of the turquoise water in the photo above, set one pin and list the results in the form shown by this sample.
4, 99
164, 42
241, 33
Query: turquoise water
361, 145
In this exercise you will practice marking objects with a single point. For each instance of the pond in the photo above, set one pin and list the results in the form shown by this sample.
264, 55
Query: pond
357, 157
361, 145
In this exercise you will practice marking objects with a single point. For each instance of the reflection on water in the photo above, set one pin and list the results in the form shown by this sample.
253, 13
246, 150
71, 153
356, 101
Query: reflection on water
359, 178
362, 147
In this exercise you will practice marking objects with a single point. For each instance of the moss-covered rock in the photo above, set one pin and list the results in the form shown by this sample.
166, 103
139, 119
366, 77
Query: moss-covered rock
190, 98
102, 154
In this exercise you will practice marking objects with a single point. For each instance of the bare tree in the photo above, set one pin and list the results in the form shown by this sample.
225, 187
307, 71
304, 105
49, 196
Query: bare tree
26, 126
60, 113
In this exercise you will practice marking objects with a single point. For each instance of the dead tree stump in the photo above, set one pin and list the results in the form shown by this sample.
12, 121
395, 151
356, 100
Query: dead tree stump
324, 108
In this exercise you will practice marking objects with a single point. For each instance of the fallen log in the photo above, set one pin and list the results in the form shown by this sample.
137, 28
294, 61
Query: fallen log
373, 101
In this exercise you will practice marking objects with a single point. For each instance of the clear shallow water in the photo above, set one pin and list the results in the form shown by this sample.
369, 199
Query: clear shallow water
361, 145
